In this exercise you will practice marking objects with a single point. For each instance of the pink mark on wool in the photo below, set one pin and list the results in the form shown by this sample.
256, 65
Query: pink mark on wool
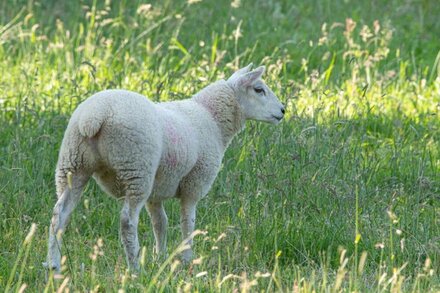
174, 138
172, 134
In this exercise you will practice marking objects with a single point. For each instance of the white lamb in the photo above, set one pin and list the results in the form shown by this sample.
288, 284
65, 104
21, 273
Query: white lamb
144, 153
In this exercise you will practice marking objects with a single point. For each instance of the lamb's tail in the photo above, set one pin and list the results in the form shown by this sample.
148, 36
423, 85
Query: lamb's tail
90, 122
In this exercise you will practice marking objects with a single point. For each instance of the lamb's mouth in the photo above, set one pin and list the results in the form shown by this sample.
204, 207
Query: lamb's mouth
278, 118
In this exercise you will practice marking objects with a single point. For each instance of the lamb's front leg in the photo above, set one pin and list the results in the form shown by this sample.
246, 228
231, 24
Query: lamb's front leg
187, 223
159, 221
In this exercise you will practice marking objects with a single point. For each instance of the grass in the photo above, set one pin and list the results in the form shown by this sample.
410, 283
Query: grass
342, 196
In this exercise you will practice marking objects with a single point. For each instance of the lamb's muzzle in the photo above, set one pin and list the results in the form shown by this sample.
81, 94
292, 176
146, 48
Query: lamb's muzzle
144, 153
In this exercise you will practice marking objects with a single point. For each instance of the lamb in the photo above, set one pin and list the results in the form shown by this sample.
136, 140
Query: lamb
143, 153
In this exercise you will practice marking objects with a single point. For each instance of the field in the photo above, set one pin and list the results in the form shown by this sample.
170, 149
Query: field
343, 195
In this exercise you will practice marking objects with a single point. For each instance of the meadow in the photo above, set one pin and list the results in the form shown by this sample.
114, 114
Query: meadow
343, 195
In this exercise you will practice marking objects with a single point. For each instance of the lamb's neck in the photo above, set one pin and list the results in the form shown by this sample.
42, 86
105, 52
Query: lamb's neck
219, 100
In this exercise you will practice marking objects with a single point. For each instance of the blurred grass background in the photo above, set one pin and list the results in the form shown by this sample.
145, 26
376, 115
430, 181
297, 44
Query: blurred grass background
354, 168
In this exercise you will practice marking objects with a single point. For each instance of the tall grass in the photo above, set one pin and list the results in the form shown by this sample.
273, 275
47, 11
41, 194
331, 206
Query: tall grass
342, 196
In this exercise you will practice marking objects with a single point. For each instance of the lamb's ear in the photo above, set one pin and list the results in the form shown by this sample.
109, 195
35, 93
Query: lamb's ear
240, 72
245, 69
249, 78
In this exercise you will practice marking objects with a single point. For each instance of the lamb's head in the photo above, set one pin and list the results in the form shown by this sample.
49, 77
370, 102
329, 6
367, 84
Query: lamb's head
256, 99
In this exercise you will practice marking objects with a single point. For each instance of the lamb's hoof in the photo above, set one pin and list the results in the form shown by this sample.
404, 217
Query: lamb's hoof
186, 261
134, 268
160, 258
186, 257
50, 270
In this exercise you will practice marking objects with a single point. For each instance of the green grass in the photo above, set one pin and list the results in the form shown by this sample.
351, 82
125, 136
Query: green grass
343, 195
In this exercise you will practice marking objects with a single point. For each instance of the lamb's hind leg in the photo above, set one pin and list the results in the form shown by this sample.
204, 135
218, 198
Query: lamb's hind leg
129, 228
159, 221
67, 201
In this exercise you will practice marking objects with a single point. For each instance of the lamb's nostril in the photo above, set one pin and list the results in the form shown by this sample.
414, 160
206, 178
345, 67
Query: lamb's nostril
283, 110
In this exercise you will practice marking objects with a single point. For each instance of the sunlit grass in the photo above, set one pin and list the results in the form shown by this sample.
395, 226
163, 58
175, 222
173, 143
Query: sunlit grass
343, 195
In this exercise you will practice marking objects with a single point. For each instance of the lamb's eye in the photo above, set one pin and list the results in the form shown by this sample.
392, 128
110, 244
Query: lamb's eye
259, 90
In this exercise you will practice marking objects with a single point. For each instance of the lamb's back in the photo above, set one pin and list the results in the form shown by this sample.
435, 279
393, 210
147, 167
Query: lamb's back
120, 108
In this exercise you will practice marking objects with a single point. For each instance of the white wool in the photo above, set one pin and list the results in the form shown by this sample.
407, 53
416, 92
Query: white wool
144, 153
220, 101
